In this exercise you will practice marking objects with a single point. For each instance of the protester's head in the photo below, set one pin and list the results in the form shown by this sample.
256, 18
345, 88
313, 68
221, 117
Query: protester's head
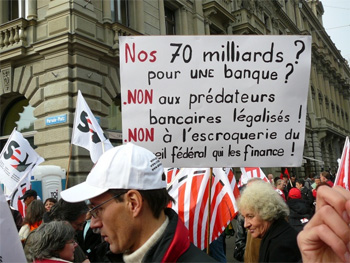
317, 180
261, 205
325, 176
74, 213
29, 196
322, 184
294, 193
299, 183
53, 239
49, 202
280, 184
126, 190
293, 178
285, 178
312, 176
252, 180
34, 213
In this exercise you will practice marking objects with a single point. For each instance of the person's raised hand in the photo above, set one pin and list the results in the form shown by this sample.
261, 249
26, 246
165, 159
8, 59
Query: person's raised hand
326, 238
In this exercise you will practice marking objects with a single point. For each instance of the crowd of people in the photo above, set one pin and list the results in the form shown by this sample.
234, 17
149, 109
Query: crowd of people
120, 214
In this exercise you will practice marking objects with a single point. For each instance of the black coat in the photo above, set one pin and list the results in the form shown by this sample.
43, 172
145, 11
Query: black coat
279, 244
299, 212
306, 195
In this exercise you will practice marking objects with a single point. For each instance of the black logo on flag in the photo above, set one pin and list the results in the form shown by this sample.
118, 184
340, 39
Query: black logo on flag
15, 154
86, 127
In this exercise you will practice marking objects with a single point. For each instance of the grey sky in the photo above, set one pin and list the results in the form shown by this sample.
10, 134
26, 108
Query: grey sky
336, 21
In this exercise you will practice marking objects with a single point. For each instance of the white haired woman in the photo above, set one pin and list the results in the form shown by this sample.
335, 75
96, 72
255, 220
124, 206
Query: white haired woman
52, 243
265, 213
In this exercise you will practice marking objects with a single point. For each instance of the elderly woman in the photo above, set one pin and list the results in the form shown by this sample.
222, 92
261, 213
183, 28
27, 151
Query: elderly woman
265, 213
52, 242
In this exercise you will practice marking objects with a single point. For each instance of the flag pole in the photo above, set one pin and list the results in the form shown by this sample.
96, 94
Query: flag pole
69, 159
103, 146
209, 212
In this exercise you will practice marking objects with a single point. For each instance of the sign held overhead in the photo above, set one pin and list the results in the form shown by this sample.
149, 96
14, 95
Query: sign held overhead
216, 101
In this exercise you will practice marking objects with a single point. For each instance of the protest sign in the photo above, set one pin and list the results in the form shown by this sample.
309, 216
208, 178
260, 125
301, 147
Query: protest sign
11, 249
216, 101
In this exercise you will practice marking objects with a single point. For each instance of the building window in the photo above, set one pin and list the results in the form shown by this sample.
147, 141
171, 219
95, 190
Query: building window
267, 21
313, 93
115, 115
320, 100
13, 9
115, 122
169, 21
120, 12
19, 115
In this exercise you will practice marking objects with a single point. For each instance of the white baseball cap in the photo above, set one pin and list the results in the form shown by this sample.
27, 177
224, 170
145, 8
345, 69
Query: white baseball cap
123, 167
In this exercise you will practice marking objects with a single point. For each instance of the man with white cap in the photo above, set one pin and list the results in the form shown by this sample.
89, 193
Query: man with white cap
127, 196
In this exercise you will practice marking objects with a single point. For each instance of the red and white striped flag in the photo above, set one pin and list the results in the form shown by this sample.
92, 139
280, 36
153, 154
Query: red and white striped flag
190, 189
343, 178
170, 174
87, 133
250, 172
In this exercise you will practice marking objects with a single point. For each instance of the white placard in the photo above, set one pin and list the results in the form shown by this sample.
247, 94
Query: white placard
11, 249
216, 101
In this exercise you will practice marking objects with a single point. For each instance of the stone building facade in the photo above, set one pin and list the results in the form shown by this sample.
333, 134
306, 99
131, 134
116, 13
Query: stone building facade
50, 49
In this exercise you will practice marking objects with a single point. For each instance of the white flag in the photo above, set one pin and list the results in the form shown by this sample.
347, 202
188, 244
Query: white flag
21, 188
17, 160
11, 249
343, 177
87, 133
250, 172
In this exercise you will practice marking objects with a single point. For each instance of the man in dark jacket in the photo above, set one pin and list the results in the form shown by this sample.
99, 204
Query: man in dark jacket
17, 217
300, 210
127, 195
306, 193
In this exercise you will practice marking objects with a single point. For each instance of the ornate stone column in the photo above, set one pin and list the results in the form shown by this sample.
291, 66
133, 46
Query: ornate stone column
107, 12
32, 9
162, 17
140, 17
184, 21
